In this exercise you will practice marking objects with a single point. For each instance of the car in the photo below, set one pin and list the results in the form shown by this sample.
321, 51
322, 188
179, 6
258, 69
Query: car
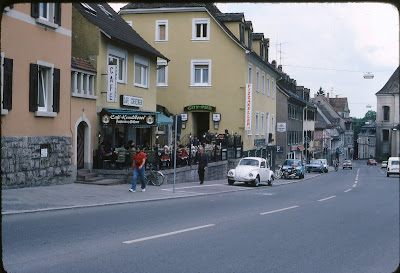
371, 161
347, 164
315, 166
293, 168
325, 163
393, 166
251, 170
384, 164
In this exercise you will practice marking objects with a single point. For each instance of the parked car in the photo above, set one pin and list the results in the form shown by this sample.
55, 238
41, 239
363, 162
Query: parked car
393, 166
371, 161
293, 168
384, 164
325, 163
254, 170
315, 166
347, 164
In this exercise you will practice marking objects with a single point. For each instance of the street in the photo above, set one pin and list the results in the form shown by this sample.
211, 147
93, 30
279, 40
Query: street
344, 221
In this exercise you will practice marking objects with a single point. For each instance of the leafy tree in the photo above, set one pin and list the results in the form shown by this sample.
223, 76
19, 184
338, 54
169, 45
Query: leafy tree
370, 115
320, 92
360, 122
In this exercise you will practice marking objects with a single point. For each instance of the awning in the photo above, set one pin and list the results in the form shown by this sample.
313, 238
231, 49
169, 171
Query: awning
164, 120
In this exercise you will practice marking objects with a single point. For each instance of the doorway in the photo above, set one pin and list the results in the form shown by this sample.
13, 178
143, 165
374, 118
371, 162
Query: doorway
81, 146
201, 123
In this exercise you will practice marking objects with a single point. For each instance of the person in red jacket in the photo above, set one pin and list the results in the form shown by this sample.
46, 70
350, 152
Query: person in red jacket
139, 159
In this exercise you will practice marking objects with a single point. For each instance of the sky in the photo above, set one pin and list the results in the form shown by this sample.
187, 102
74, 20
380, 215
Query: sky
329, 45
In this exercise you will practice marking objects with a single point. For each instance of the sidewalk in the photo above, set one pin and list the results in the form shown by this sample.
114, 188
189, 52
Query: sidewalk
70, 196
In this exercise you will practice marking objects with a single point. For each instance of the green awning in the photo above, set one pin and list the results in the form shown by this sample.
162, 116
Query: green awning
164, 120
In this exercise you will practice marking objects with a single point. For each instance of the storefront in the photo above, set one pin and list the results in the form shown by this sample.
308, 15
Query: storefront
118, 126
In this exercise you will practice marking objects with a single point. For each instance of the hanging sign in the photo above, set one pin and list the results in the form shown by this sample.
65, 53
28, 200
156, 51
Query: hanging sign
199, 107
131, 101
112, 83
248, 102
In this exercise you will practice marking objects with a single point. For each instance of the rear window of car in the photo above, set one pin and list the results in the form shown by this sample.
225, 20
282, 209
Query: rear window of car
347, 161
288, 162
249, 162
315, 162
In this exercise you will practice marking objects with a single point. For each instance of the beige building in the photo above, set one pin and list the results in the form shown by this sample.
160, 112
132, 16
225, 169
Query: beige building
36, 142
219, 77
124, 88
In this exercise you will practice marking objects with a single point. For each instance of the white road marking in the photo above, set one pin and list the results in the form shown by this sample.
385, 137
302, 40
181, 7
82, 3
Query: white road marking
354, 185
167, 234
324, 199
268, 212
348, 190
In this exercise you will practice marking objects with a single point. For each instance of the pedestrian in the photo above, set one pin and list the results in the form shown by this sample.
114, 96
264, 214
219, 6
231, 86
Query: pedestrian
131, 145
196, 141
202, 160
139, 159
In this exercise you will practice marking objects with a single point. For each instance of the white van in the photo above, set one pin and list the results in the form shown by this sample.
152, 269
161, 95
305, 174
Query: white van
393, 166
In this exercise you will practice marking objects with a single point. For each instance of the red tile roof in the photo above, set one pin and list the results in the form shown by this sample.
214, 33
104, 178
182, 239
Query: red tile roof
82, 64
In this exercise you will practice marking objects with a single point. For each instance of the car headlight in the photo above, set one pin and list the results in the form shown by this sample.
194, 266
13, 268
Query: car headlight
250, 175
230, 173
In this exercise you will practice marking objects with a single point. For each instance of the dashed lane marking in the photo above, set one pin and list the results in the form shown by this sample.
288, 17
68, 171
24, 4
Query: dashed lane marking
278, 210
324, 199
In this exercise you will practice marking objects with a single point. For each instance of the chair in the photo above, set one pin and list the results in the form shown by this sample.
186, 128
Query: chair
121, 158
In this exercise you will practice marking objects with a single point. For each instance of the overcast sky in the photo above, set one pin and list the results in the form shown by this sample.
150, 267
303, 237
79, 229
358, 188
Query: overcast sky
330, 45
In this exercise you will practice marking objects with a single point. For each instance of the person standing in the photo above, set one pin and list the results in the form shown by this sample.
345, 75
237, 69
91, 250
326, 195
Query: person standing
139, 159
202, 160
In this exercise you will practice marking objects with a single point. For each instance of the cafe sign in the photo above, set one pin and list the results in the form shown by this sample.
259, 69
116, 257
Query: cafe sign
248, 103
199, 107
134, 119
131, 101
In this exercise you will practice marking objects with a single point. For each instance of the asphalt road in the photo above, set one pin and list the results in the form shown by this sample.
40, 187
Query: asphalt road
345, 221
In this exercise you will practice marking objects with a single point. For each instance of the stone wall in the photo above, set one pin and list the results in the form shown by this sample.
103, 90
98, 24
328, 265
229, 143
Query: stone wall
24, 165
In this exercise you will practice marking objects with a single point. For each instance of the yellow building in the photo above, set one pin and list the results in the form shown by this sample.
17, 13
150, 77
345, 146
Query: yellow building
125, 85
215, 60
36, 142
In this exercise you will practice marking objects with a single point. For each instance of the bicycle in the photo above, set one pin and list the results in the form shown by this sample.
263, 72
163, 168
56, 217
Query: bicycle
154, 177
279, 173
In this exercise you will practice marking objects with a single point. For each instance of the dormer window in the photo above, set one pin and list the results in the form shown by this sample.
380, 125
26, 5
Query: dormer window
242, 31
250, 38
262, 49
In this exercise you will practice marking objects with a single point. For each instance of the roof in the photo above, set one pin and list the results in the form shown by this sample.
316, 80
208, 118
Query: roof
339, 104
392, 85
116, 28
258, 36
320, 123
230, 17
82, 64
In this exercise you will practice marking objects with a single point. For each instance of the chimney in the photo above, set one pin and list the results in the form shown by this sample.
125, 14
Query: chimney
280, 67
273, 63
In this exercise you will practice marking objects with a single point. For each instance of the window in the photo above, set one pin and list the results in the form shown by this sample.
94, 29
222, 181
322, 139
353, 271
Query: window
118, 57
201, 29
262, 124
268, 125
385, 110
141, 75
6, 84
272, 124
385, 135
48, 14
162, 73
241, 31
263, 83
257, 127
273, 88
44, 89
161, 30
250, 39
200, 73
257, 80
262, 50
268, 86
250, 74
82, 84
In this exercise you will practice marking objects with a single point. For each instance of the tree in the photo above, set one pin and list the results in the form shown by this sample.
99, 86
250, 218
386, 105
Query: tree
370, 115
320, 92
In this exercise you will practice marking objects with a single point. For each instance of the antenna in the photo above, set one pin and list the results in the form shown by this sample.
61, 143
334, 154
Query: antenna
280, 51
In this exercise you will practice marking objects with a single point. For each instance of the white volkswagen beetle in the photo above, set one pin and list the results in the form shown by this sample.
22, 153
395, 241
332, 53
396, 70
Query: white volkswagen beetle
253, 170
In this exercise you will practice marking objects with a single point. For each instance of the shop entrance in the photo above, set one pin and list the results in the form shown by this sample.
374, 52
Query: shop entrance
201, 123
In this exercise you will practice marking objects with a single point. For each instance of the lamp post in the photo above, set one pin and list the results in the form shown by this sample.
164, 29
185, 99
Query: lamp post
190, 149
98, 151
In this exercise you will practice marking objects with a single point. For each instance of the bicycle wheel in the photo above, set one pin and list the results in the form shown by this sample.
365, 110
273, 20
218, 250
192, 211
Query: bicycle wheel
150, 178
159, 178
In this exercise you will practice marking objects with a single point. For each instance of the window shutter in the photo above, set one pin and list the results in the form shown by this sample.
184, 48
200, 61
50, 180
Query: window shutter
33, 87
35, 10
56, 90
57, 13
7, 91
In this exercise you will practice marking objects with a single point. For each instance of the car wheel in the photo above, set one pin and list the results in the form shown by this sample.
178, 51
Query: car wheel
271, 181
257, 181
230, 182
351, 168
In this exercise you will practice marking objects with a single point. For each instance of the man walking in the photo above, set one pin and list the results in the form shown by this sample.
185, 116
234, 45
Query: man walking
139, 159
202, 160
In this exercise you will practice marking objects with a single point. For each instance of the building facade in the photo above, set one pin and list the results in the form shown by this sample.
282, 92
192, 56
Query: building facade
36, 142
219, 77
387, 119
367, 141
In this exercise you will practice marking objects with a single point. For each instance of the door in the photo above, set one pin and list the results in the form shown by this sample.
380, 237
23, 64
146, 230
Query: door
80, 149
264, 170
